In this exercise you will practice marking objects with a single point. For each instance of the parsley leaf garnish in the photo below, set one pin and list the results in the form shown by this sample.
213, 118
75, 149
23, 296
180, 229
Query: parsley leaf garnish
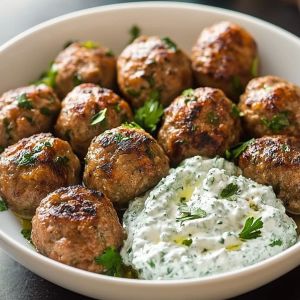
148, 116
278, 122
254, 67
131, 125
29, 157
49, 77
111, 260
251, 229
61, 160
230, 190
169, 43
275, 243
3, 206
237, 150
134, 32
99, 117
187, 242
187, 214
26, 234
24, 102
89, 44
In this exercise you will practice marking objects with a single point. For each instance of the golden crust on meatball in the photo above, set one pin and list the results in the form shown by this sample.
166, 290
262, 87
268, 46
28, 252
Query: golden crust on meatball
87, 111
151, 65
124, 163
199, 122
34, 167
271, 105
74, 225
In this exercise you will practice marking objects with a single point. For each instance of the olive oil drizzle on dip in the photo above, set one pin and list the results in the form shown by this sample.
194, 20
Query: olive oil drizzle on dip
204, 218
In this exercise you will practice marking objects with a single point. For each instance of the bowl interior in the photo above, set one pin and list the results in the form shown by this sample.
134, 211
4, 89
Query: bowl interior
26, 56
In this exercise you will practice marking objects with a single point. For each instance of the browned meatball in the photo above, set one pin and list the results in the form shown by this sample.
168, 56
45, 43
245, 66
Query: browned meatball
34, 167
225, 57
74, 225
153, 66
275, 161
86, 112
83, 62
199, 122
124, 163
26, 111
271, 105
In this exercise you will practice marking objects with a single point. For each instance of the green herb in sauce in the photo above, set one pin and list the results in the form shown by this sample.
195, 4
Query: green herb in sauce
230, 190
276, 243
251, 229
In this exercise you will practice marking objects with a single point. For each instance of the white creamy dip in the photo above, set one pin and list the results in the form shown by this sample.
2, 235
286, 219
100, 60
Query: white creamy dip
187, 227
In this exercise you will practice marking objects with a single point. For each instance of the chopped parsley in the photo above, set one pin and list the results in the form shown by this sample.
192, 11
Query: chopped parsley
254, 67
90, 44
186, 214
212, 118
131, 125
99, 117
133, 93
277, 122
237, 150
46, 111
285, 148
3, 206
61, 160
275, 243
49, 77
187, 242
77, 79
134, 32
230, 190
29, 157
24, 102
119, 138
169, 43
26, 234
151, 263
111, 261
236, 85
251, 229
235, 111
149, 115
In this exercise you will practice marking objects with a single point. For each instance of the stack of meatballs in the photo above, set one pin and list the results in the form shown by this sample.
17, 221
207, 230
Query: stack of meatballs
71, 158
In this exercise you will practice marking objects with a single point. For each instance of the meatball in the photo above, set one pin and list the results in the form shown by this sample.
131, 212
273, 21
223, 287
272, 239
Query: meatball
124, 163
271, 105
83, 62
275, 161
34, 167
199, 122
74, 225
225, 57
26, 111
86, 112
153, 67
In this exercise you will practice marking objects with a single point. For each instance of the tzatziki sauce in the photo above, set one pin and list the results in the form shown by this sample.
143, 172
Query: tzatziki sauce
193, 223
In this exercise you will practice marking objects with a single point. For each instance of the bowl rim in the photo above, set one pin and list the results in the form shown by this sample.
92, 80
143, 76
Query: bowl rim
231, 275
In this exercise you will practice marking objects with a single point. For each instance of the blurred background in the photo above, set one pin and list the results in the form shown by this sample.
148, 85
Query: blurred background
19, 15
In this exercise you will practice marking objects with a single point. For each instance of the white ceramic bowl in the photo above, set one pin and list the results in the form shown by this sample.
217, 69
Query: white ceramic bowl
23, 58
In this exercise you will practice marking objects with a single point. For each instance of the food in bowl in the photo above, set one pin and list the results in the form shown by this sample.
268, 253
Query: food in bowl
126, 162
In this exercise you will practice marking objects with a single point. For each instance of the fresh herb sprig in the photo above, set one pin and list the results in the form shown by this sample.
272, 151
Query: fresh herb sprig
131, 125
251, 229
99, 117
111, 260
149, 115
49, 77
134, 32
237, 150
277, 122
169, 43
